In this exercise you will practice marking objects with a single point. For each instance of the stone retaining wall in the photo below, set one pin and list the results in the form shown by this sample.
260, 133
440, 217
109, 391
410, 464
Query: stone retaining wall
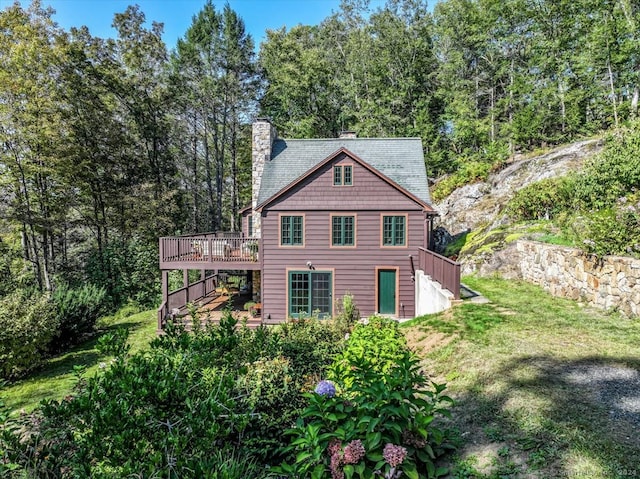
611, 282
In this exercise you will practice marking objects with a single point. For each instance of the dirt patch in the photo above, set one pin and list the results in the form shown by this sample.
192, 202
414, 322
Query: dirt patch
422, 342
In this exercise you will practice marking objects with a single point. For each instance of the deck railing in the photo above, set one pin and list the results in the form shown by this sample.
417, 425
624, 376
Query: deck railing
180, 297
162, 313
226, 247
441, 269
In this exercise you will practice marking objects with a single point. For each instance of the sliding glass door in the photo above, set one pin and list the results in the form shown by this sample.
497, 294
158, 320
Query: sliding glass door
310, 293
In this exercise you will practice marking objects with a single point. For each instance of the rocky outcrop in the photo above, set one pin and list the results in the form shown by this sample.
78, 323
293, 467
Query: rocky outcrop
478, 204
493, 246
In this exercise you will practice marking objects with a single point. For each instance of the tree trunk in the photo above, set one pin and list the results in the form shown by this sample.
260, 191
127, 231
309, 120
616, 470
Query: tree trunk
512, 149
613, 93
234, 175
194, 165
209, 180
493, 113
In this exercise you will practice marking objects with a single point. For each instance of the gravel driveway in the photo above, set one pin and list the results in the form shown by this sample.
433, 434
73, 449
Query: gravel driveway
615, 387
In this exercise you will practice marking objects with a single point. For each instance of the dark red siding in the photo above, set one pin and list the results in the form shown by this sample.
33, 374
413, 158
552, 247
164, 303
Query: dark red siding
354, 268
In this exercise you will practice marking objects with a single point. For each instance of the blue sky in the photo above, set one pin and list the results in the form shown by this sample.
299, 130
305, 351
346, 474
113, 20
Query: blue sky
258, 15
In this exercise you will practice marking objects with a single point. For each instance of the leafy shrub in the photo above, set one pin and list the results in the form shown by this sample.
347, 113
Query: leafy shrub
166, 411
613, 230
114, 343
9, 439
382, 425
7, 282
310, 343
376, 340
27, 326
128, 270
612, 174
543, 199
348, 313
271, 395
77, 309
472, 167
469, 172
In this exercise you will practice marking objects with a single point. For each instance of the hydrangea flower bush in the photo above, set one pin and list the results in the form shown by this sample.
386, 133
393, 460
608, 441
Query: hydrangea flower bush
326, 388
374, 418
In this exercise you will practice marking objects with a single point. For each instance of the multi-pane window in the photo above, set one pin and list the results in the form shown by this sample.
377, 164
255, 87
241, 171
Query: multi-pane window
347, 173
342, 175
310, 293
337, 175
291, 231
299, 292
342, 231
394, 230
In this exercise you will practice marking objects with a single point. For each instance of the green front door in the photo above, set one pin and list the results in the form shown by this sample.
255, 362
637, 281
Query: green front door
387, 291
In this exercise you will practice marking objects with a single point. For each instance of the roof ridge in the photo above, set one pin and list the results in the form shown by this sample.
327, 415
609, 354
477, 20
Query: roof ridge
351, 139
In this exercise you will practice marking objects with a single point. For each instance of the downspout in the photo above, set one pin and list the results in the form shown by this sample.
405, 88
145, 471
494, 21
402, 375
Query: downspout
413, 268
428, 231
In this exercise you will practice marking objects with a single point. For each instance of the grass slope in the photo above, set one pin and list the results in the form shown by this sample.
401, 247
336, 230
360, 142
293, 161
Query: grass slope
544, 387
56, 378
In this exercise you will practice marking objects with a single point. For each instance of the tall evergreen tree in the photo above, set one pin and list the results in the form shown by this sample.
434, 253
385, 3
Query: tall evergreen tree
215, 80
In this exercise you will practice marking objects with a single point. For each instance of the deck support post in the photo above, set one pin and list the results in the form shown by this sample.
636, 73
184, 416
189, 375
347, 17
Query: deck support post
165, 285
185, 283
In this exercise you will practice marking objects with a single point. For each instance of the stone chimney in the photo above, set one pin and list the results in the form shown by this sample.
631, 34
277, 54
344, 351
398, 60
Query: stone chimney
347, 134
262, 138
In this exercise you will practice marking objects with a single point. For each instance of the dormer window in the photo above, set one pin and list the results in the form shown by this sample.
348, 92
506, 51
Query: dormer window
342, 175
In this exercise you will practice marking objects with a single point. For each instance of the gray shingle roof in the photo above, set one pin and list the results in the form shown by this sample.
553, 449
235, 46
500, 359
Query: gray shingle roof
400, 159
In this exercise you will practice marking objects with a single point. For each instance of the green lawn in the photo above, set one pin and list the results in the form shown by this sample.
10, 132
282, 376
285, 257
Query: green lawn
544, 387
56, 378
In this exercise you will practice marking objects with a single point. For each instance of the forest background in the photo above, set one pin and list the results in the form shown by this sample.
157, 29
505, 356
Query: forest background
107, 144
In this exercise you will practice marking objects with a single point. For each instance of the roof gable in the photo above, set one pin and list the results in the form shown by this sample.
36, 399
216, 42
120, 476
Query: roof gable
397, 161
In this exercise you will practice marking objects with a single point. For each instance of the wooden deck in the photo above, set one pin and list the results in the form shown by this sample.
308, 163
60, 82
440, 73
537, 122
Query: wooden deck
212, 308
210, 251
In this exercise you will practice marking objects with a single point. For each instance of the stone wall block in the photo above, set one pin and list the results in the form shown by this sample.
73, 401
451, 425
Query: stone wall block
607, 269
611, 282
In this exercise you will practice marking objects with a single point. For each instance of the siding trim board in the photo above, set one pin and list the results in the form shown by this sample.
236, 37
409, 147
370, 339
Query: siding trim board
377, 287
356, 159
355, 231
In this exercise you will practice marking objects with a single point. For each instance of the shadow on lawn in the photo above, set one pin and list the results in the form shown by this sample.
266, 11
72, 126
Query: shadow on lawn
539, 416
84, 354
56, 377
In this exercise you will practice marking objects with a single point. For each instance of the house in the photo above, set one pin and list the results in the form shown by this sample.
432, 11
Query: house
328, 216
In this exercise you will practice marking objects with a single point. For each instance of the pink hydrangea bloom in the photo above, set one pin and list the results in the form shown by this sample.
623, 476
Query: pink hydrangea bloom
334, 446
394, 455
354, 452
336, 469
